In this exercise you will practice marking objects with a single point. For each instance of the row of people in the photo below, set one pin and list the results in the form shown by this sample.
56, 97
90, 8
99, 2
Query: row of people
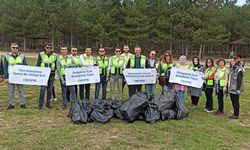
111, 69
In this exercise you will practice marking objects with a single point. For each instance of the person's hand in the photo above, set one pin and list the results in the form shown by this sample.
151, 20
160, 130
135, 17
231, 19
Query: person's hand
224, 89
63, 82
204, 78
238, 92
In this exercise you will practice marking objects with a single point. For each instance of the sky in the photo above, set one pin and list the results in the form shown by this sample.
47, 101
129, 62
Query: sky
241, 2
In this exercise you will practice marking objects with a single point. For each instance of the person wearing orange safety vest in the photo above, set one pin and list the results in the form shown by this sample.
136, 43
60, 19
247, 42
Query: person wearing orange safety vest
208, 85
221, 78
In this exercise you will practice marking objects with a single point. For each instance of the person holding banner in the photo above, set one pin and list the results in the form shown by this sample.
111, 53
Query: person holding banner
47, 58
221, 78
115, 73
152, 63
235, 86
136, 61
195, 93
64, 61
14, 58
86, 60
208, 86
102, 62
127, 55
164, 67
179, 88
77, 63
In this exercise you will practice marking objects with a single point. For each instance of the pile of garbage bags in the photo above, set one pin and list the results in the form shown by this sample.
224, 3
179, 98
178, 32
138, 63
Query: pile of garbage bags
141, 106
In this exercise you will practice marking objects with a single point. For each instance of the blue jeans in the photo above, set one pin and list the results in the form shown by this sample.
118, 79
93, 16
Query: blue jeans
102, 82
180, 95
150, 88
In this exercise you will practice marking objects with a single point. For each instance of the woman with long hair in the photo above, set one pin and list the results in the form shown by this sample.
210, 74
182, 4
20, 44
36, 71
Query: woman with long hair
210, 71
164, 66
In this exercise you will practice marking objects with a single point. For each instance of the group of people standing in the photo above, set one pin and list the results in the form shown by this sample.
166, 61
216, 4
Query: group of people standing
218, 77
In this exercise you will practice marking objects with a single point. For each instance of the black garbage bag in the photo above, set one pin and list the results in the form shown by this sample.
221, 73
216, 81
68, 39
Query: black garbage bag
134, 107
102, 111
168, 114
165, 100
152, 113
116, 105
77, 115
87, 106
181, 109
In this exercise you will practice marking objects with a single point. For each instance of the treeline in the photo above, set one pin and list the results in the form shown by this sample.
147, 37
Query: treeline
198, 25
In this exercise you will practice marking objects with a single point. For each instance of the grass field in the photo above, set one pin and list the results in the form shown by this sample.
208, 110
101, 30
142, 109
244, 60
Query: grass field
51, 129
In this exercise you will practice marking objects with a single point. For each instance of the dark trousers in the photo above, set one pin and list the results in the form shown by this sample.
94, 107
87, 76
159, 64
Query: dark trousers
53, 92
220, 96
103, 82
72, 91
87, 91
132, 89
195, 100
236, 104
49, 91
68, 93
209, 97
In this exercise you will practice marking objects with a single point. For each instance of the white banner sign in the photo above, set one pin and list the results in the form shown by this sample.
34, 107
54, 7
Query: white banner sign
186, 77
82, 75
140, 76
29, 75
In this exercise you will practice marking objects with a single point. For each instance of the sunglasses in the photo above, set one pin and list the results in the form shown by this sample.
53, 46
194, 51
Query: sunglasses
49, 47
118, 51
74, 50
101, 51
153, 54
15, 47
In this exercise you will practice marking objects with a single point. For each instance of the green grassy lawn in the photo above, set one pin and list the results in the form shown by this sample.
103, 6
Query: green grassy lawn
51, 129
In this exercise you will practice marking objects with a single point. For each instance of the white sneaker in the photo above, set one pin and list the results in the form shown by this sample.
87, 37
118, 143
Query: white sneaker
55, 99
208, 111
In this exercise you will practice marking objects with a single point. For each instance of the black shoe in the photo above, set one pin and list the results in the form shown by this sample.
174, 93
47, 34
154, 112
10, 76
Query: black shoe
10, 107
233, 117
23, 106
64, 107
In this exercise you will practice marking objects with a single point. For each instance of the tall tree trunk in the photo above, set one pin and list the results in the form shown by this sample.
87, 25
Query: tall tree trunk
52, 41
186, 49
200, 51
203, 50
171, 46
24, 44
71, 39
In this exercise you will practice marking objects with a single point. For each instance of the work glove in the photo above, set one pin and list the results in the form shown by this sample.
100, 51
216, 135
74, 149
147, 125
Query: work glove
238, 92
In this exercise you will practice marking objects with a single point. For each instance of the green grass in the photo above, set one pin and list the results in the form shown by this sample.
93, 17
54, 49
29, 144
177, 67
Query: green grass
51, 129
